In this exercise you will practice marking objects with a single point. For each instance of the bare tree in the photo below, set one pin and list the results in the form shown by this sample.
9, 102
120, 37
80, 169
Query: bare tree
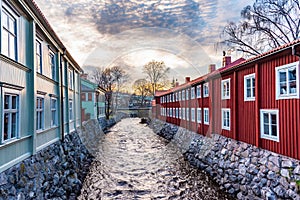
120, 78
265, 25
156, 73
142, 87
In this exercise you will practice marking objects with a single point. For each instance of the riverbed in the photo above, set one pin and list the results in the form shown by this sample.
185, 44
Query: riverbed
134, 163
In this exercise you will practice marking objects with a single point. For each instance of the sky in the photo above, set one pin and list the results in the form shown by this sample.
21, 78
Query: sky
130, 33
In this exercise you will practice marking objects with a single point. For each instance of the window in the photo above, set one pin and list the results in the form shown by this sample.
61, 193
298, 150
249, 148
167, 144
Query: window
269, 124
70, 78
183, 94
199, 115
10, 115
206, 116
193, 114
9, 33
183, 113
187, 114
179, 113
90, 96
179, 95
193, 93
249, 87
226, 118
225, 89
39, 113
38, 56
287, 81
52, 65
173, 97
53, 112
187, 94
71, 114
198, 91
206, 90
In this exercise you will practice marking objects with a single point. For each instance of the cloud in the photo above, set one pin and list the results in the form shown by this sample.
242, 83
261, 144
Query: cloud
86, 25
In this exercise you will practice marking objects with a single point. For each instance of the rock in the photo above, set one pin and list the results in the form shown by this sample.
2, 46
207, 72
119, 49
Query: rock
274, 160
284, 182
271, 175
242, 169
287, 164
3, 179
285, 173
245, 154
280, 191
271, 166
297, 170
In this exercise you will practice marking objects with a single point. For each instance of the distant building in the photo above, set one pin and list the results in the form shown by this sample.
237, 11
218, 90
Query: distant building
92, 100
39, 84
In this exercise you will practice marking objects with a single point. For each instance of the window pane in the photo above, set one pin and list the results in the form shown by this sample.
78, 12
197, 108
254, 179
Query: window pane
273, 118
248, 92
266, 118
5, 128
274, 130
13, 125
292, 73
6, 101
253, 92
283, 89
14, 102
4, 20
282, 76
12, 25
12, 47
293, 87
266, 129
4, 41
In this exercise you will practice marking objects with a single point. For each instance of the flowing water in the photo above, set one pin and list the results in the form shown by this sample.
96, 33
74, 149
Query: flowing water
135, 163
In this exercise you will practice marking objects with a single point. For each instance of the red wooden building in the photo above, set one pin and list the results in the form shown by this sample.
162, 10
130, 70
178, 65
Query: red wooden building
254, 101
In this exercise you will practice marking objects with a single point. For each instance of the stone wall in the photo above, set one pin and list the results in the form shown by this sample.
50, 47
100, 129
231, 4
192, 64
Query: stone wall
56, 172
245, 171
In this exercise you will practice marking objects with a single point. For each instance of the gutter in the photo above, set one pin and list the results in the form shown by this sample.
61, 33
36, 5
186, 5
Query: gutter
62, 99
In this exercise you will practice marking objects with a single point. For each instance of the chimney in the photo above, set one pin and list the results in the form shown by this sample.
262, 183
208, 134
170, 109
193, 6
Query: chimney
187, 79
211, 68
84, 76
226, 61
176, 84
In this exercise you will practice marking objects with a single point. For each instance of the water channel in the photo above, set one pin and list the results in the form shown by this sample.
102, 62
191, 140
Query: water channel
134, 163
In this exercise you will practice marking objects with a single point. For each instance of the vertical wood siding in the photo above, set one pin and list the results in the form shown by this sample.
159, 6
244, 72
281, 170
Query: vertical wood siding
245, 111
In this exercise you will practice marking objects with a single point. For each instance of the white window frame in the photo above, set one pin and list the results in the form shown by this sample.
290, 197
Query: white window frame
198, 90
176, 96
173, 97
193, 114
71, 110
199, 116
53, 109
52, 64
269, 112
40, 117
288, 95
252, 94
179, 95
226, 126
71, 78
183, 113
187, 114
187, 94
206, 116
225, 89
193, 93
38, 54
205, 90
183, 95
12, 14
10, 111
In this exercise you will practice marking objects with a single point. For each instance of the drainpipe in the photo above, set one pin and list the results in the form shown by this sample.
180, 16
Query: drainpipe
62, 98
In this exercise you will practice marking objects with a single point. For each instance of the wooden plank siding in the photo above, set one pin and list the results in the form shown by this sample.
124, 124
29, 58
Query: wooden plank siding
246, 110
245, 119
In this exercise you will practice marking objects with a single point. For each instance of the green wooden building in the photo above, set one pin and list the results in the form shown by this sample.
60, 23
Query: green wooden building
92, 100
39, 84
